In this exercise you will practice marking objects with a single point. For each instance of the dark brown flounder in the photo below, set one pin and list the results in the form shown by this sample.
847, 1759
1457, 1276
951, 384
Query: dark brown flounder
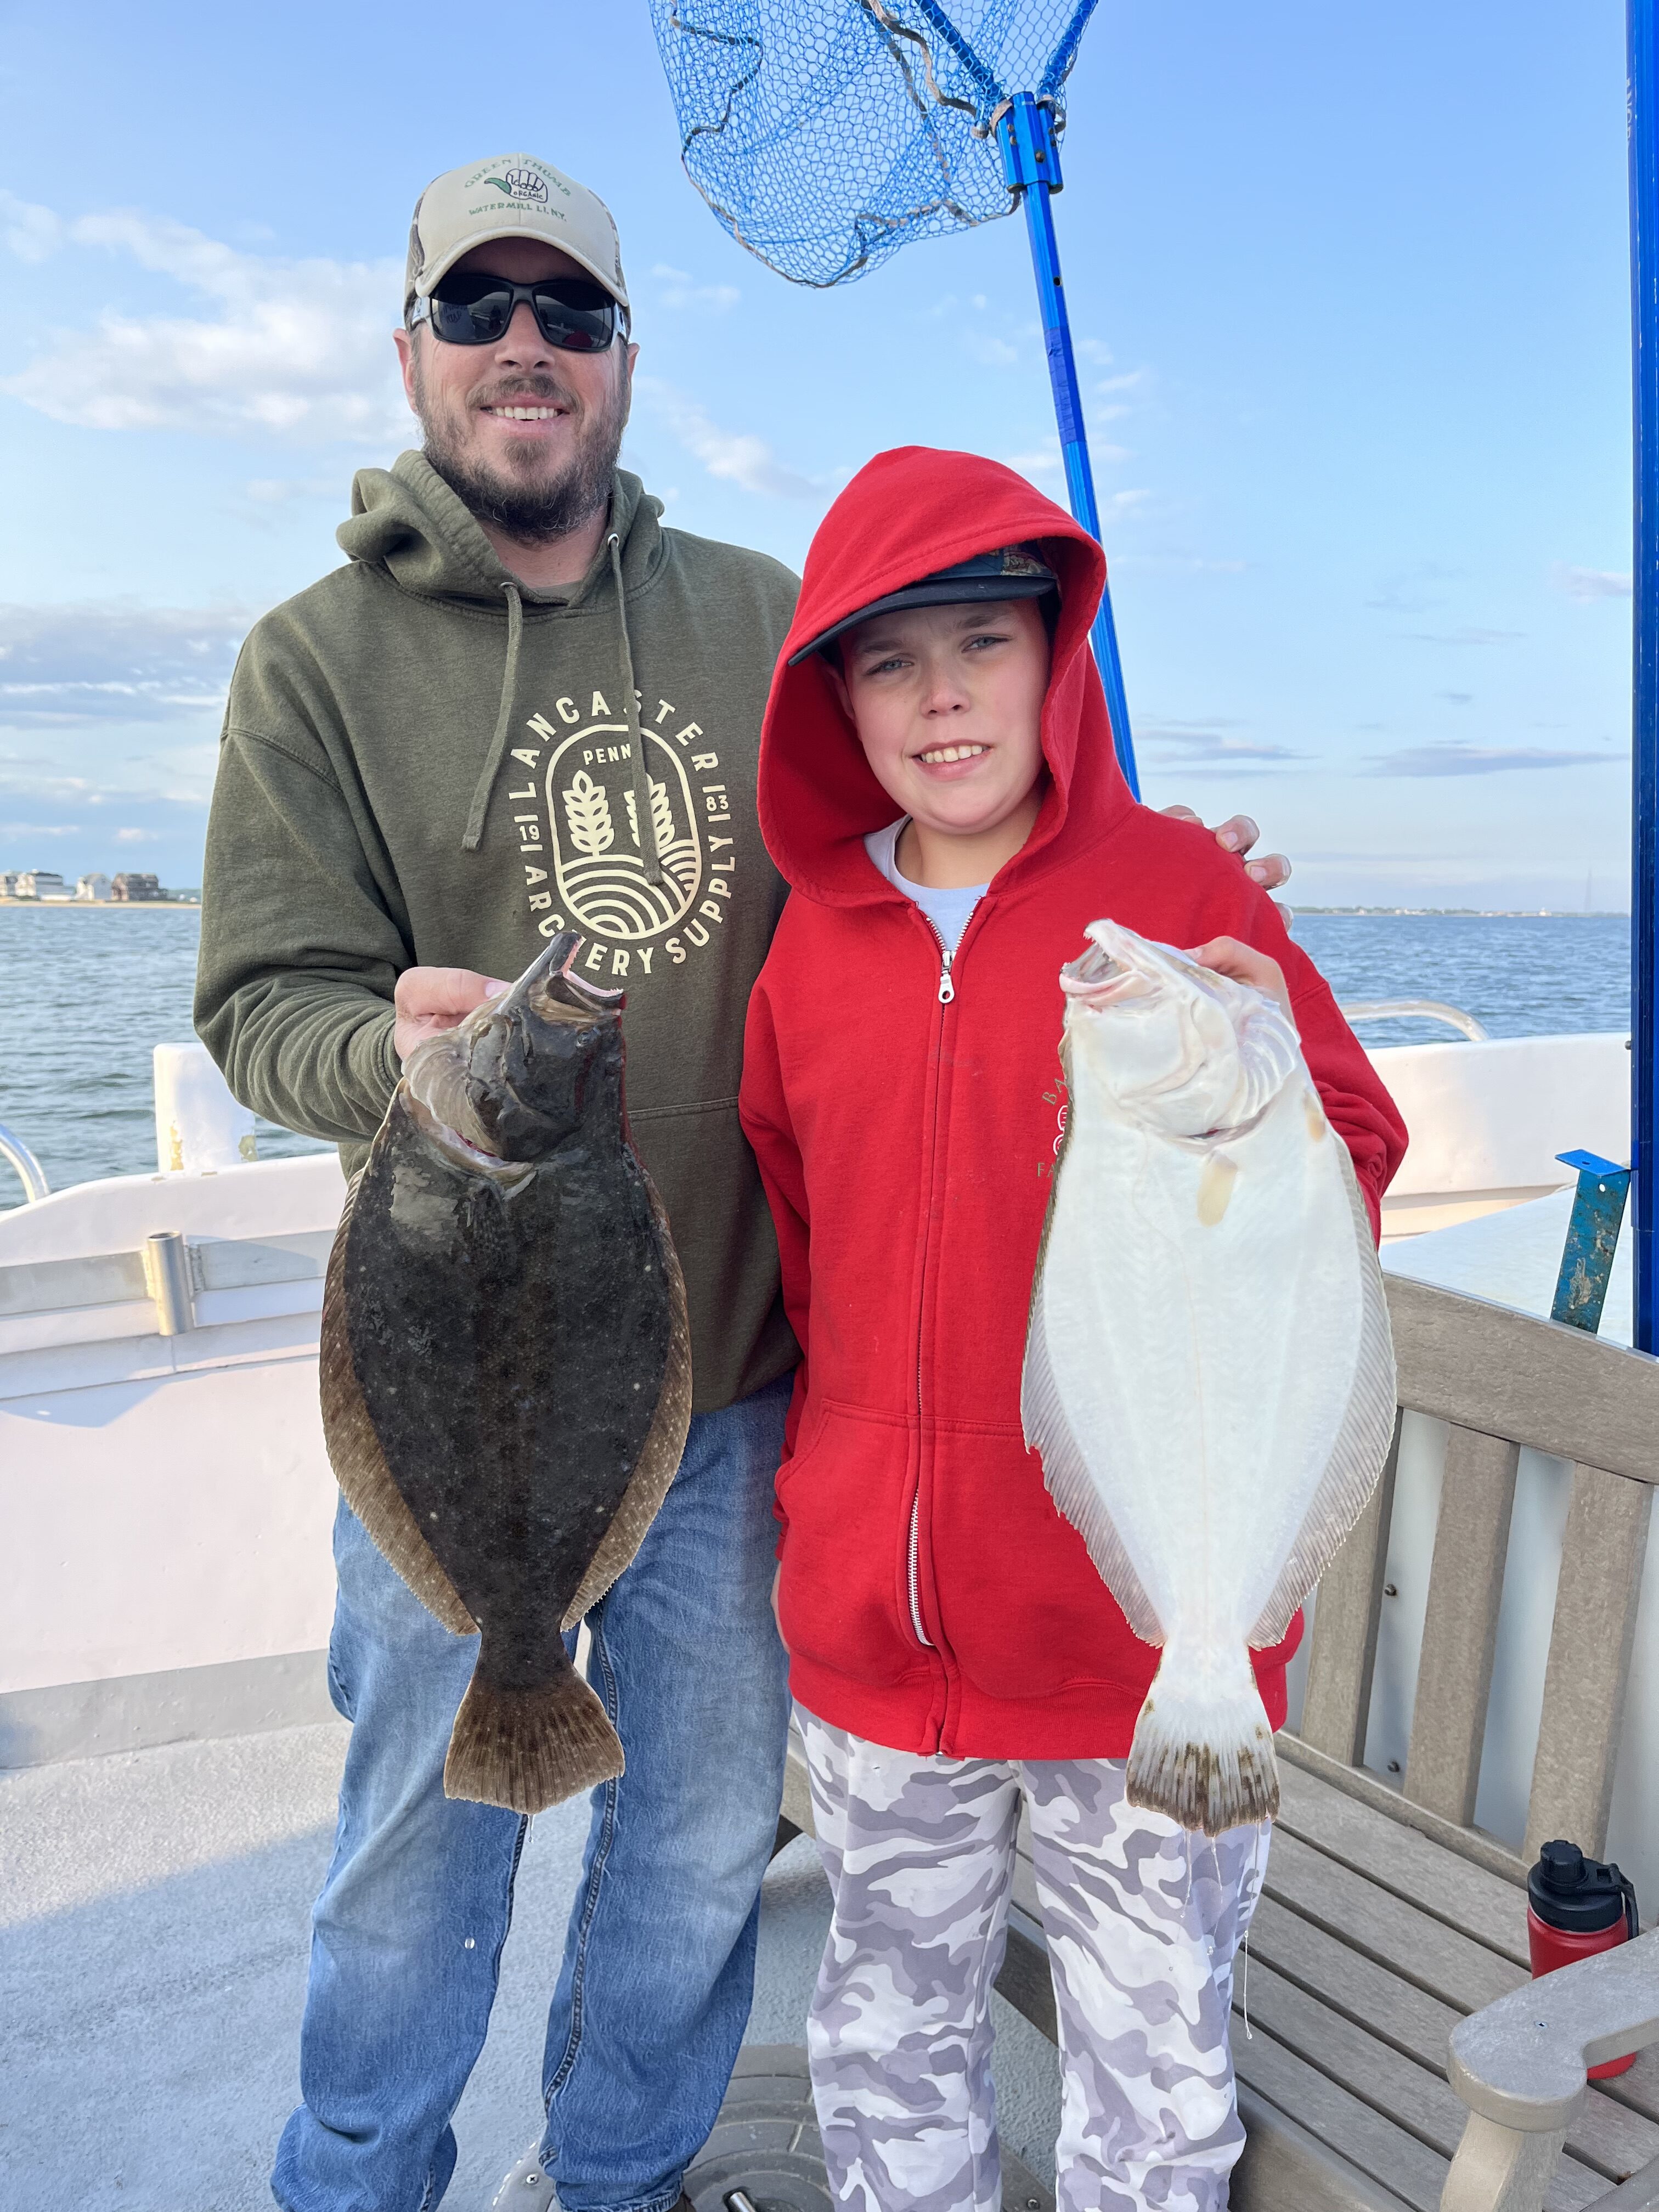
506, 1362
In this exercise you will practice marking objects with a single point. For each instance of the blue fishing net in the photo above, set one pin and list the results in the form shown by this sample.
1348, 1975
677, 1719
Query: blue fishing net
826, 134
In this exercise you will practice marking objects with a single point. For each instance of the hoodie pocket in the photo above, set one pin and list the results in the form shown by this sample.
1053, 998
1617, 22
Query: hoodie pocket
842, 1599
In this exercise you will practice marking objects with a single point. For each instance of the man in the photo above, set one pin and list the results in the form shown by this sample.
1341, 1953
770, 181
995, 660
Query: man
525, 706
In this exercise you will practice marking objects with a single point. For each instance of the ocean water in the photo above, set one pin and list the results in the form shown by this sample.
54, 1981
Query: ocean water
85, 993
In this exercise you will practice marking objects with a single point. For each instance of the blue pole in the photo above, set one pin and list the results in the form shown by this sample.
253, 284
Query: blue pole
1031, 162
1642, 30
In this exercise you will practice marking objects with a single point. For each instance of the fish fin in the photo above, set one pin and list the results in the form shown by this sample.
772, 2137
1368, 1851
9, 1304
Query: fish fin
355, 1453
1047, 1430
527, 1749
1362, 1442
664, 1441
1202, 1758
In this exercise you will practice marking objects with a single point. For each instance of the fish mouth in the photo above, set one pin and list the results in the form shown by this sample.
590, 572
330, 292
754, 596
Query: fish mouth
458, 1087
550, 988
1097, 978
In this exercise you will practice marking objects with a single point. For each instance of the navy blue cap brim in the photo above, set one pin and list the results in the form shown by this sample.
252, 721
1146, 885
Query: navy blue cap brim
944, 591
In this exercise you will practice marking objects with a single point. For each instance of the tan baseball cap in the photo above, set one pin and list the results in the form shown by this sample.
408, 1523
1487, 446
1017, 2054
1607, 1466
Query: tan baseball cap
514, 196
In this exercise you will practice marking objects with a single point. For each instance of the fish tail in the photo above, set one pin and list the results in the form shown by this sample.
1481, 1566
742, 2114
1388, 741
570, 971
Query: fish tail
528, 1749
1203, 1751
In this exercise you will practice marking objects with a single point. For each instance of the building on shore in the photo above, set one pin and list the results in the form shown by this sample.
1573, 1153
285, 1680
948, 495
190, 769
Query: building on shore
41, 884
94, 886
134, 886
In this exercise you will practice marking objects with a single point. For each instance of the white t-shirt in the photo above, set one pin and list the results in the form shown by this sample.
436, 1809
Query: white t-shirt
948, 910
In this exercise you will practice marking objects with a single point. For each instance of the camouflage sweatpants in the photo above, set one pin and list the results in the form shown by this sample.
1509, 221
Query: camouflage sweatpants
1142, 1922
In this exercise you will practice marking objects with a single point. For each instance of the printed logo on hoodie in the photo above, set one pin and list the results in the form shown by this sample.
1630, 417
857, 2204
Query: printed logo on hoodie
576, 817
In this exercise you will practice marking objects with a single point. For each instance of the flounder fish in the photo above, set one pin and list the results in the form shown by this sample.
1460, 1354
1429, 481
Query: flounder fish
506, 1362
1209, 1376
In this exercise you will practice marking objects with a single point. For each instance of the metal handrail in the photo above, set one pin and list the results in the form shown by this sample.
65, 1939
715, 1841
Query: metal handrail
30, 1173
1434, 1009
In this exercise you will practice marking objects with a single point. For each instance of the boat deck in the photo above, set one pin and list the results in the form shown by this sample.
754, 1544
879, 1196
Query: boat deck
152, 1973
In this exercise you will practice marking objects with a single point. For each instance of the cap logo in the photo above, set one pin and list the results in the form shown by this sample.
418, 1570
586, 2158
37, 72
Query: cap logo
521, 185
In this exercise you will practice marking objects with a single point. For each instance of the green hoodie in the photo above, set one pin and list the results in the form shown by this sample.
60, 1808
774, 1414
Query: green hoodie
425, 762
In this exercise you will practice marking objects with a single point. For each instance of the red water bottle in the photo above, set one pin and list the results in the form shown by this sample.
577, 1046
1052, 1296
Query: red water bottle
1576, 1906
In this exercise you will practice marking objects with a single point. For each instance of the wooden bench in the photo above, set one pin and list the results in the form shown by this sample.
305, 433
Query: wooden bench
1387, 1917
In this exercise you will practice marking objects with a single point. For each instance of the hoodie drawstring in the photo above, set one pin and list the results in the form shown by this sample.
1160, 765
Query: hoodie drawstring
644, 812
497, 753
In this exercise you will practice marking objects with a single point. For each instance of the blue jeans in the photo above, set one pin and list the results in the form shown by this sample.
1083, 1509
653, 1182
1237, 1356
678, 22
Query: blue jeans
659, 1965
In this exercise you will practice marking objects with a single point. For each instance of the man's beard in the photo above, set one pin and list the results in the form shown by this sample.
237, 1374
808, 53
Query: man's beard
532, 505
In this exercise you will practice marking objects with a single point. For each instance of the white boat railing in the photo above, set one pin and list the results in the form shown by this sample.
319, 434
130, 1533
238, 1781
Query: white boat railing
1432, 1009
29, 1171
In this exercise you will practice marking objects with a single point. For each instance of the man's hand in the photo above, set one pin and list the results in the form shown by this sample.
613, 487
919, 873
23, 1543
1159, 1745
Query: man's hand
1239, 834
428, 999
1227, 957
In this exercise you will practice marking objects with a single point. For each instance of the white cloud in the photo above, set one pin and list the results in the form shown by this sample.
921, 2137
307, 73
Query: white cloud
1042, 465
1198, 745
683, 290
276, 491
1457, 759
135, 837
989, 350
1591, 583
114, 660
297, 350
736, 456
1467, 636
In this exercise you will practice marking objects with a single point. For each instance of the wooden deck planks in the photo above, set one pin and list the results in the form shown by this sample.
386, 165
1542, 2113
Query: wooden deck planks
1393, 2018
1353, 2099
1339, 2120
1399, 1860
1284, 2168
1421, 1950
1413, 2096
1639, 2088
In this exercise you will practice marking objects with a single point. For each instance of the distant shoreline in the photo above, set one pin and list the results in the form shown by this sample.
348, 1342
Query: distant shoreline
1479, 912
167, 906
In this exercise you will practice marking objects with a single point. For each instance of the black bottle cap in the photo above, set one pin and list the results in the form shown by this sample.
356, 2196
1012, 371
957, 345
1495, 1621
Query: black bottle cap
1579, 1896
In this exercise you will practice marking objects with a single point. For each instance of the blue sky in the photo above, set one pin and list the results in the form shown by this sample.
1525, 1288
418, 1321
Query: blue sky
1352, 295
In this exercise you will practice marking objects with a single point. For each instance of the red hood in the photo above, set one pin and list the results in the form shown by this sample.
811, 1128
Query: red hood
905, 514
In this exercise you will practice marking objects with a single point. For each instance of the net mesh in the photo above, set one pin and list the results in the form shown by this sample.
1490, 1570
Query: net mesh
826, 134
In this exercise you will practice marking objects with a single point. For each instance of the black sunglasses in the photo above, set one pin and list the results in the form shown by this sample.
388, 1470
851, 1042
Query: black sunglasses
476, 308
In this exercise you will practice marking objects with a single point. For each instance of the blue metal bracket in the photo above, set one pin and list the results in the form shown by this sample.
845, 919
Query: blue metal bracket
1031, 163
1598, 1214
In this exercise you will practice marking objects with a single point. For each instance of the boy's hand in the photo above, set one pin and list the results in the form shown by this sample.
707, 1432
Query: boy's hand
1244, 964
428, 999
1238, 835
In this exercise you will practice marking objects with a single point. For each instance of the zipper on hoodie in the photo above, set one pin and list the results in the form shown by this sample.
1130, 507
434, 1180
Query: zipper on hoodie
947, 992
922, 1637
947, 953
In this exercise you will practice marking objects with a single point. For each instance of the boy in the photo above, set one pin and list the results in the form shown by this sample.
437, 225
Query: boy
950, 1644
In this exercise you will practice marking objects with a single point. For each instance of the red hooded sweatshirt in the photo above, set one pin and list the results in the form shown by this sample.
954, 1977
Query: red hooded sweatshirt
933, 1599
